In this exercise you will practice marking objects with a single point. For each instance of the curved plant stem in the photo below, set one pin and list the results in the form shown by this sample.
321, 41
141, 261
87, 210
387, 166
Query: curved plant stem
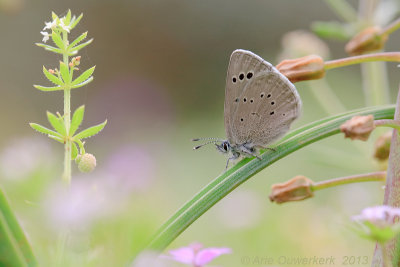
384, 56
246, 168
367, 177
395, 25
387, 123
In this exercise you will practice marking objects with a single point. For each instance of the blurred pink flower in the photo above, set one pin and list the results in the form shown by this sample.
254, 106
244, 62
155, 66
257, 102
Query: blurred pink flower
24, 156
131, 168
381, 216
195, 255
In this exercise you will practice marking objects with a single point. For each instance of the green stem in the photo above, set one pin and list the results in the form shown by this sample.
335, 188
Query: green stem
368, 177
246, 168
385, 56
395, 25
343, 9
387, 123
67, 120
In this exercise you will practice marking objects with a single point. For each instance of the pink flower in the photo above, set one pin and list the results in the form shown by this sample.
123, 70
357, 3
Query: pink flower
195, 255
381, 216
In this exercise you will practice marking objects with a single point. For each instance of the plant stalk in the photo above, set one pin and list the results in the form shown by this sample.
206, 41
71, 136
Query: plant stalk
67, 121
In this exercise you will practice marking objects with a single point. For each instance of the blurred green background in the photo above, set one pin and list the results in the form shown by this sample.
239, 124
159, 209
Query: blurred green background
159, 80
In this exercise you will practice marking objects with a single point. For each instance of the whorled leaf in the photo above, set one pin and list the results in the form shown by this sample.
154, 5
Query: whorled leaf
78, 40
48, 89
82, 83
55, 36
65, 74
52, 78
75, 21
57, 123
74, 150
76, 120
90, 131
84, 76
79, 47
50, 48
44, 130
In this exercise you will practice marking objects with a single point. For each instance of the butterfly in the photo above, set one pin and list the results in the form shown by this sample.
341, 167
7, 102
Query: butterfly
260, 105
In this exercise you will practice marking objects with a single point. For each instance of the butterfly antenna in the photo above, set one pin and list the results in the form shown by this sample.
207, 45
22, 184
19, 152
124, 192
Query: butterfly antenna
206, 138
206, 143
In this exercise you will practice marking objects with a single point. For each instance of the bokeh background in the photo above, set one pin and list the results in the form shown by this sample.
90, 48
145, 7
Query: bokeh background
159, 80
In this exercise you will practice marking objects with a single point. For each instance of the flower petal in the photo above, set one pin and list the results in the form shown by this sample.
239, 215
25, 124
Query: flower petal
206, 255
183, 255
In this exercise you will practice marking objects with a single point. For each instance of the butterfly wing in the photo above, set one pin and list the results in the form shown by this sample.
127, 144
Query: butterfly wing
267, 106
243, 66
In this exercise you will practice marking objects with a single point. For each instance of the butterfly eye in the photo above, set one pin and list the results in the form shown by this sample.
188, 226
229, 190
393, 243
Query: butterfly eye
241, 76
225, 147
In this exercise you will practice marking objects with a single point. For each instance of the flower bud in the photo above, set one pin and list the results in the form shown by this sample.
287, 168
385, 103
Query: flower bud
86, 162
358, 127
382, 146
304, 68
296, 189
366, 41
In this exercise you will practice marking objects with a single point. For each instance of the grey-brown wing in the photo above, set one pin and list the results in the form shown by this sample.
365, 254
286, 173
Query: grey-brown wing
267, 106
243, 67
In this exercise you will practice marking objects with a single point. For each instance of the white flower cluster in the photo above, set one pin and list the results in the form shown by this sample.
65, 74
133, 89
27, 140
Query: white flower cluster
53, 25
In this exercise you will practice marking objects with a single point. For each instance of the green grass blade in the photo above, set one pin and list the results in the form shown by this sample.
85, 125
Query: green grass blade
246, 168
15, 249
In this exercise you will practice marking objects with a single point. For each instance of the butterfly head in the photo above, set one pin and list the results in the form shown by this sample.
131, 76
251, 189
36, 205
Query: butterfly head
224, 147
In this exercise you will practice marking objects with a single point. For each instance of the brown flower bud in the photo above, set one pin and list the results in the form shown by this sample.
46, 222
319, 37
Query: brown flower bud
382, 146
358, 127
296, 189
51, 71
304, 68
366, 41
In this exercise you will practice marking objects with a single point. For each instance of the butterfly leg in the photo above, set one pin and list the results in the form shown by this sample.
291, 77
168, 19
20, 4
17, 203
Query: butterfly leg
249, 151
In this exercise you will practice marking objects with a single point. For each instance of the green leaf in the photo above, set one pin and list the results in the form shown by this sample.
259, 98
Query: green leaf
76, 21
44, 130
83, 83
55, 36
332, 30
77, 40
67, 19
84, 76
65, 74
79, 47
90, 131
54, 16
48, 89
52, 78
246, 168
57, 123
58, 139
76, 120
15, 249
50, 48
74, 151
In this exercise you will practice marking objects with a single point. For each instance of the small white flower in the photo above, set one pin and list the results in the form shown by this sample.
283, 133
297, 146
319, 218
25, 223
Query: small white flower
64, 27
46, 36
50, 25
